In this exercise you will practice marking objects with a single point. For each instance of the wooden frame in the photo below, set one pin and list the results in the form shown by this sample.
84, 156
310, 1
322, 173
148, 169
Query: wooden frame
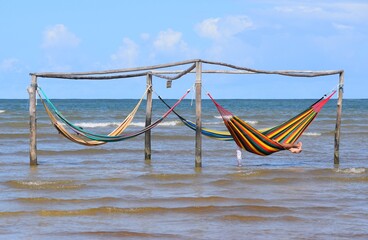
154, 70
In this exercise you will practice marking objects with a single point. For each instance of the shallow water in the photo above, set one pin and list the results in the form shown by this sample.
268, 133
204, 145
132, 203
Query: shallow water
110, 192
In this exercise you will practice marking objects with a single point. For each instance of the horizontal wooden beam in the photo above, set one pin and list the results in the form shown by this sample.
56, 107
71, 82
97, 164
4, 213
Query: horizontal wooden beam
116, 71
142, 71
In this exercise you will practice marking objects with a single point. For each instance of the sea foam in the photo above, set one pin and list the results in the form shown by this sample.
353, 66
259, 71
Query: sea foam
313, 134
352, 170
253, 122
115, 124
96, 125
166, 123
2, 111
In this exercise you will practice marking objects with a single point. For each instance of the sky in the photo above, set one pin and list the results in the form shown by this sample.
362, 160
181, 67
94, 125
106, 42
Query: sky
91, 35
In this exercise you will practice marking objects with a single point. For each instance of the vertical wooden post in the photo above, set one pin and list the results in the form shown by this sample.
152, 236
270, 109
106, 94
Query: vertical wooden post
338, 119
147, 140
198, 87
32, 122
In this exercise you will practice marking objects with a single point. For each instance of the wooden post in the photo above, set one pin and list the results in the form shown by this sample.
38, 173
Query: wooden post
32, 122
147, 143
338, 120
198, 87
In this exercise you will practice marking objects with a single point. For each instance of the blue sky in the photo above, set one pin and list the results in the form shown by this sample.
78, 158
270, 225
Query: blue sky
84, 35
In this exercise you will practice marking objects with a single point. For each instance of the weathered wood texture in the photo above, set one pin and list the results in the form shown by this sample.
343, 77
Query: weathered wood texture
32, 122
198, 98
142, 71
338, 120
147, 140
146, 68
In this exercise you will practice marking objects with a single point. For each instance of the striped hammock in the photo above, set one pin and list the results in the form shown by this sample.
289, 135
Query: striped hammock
226, 135
269, 141
51, 109
81, 136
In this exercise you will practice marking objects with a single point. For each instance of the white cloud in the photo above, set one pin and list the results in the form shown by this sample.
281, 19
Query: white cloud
59, 36
339, 26
145, 36
219, 28
57, 40
9, 64
169, 40
224, 35
298, 9
334, 11
349, 11
126, 55
208, 28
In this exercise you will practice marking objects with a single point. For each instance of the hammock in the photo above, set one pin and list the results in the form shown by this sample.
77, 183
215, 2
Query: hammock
117, 131
226, 136
89, 139
64, 132
269, 141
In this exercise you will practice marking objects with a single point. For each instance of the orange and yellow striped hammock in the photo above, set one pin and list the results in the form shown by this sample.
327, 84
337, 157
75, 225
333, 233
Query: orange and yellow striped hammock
269, 141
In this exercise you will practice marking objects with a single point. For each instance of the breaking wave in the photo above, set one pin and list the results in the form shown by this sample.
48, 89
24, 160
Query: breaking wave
44, 185
253, 122
166, 123
114, 124
96, 125
313, 134
352, 170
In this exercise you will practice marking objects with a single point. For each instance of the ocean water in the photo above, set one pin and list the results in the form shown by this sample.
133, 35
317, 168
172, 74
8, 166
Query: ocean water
111, 192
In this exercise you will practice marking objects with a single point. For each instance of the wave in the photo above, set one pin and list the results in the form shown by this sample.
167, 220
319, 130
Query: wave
143, 124
44, 185
103, 210
13, 135
297, 174
213, 123
313, 134
352, 170
253, 218
89, 151
114, 124
46, 200
25, 136
163, 176
253, 122
198, 201
96, 125
2, 111
242, 218
126, 234
166, 123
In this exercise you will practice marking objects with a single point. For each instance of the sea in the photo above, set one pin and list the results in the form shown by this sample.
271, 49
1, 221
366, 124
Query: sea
112, 192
